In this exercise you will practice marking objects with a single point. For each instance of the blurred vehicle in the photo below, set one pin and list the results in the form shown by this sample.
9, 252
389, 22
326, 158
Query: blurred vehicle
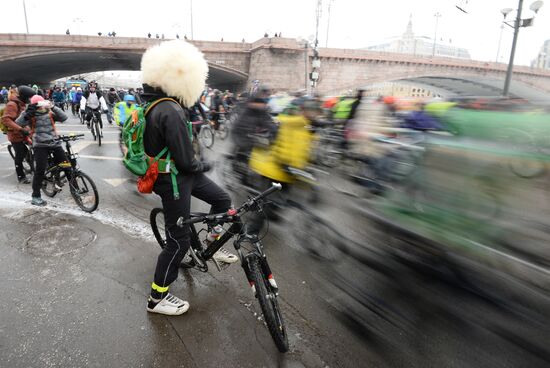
76, 83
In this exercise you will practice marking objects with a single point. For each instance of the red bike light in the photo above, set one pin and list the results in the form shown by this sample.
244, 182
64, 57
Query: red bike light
232, 212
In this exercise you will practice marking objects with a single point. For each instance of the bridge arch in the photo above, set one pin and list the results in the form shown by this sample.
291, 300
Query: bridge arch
43, 65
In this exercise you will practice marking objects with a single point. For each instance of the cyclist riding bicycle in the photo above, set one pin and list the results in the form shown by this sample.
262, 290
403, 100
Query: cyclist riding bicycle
58, 98
92, 103
124, 109
112, 100
167, 127
40, 116
17, 135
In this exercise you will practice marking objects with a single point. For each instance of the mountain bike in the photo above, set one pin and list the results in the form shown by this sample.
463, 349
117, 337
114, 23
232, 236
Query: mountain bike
249, 249
95, 128
28, 161
81, 186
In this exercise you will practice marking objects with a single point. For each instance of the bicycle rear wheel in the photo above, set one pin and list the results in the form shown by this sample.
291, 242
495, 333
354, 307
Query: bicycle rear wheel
156, 219
28, 161
48, 185
84, 192
269, 304
223, 129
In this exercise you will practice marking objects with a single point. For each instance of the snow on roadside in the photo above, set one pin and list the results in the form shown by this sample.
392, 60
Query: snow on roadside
14, 206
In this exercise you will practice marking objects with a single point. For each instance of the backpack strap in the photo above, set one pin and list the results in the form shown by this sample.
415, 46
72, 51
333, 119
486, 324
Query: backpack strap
172, 168
156, 102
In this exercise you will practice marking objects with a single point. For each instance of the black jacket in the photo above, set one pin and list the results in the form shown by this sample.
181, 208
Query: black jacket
167, 127
112, 98
250, 121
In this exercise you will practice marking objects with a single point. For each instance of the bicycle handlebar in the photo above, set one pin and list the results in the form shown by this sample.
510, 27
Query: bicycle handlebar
232, 212
71, 137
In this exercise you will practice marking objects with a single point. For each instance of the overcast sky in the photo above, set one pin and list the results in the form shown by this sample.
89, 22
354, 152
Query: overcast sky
353, 23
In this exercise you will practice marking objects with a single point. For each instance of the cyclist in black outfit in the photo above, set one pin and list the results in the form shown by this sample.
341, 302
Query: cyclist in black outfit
167, 126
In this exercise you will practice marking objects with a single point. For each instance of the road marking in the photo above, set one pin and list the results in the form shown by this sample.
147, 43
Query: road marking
115, 182
80, 145
87, 131
101, 157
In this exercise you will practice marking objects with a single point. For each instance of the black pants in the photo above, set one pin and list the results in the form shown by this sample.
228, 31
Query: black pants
41, 155
95, 112
177, 238
21, 151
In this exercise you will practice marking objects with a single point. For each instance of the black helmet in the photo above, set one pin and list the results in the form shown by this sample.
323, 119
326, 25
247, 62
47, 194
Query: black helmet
25, 93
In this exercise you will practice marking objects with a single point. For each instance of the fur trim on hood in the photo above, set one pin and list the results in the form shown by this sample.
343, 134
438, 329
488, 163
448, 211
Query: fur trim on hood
177, 68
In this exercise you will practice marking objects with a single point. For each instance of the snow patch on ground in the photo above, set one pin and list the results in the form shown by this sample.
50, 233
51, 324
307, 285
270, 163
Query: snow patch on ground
14, 205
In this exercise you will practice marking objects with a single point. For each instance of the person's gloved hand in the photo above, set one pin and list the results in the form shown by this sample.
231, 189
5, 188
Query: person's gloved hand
30, 111
105, 111
25, 132
206, 166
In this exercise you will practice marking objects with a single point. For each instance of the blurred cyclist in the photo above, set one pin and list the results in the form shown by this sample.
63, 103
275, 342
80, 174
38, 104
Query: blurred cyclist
92, 102
124, 109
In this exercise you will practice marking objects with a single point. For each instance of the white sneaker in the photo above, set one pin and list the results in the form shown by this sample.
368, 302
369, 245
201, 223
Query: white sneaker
224, 256
171, 305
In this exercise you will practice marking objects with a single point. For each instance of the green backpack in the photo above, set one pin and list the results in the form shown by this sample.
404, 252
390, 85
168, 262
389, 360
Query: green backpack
135, 159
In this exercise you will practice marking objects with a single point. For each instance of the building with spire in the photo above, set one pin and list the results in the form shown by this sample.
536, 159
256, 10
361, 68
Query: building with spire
543, 58
408, 43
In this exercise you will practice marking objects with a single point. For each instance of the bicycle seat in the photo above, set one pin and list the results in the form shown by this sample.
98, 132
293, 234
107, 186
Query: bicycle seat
197, 214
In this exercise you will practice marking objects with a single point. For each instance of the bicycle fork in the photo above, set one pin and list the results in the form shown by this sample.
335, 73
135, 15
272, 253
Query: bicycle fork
266, 271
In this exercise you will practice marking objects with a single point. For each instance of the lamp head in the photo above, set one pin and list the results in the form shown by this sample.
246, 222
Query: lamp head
536, 5
506, 11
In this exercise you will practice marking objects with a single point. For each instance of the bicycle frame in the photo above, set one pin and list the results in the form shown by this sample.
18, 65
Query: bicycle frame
235, 229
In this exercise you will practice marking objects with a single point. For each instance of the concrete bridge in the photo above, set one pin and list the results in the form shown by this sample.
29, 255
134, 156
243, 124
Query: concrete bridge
282, 63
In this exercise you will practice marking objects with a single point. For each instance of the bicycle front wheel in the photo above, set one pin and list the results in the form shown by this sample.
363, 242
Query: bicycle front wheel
98, 132
84, 192
92, 129
269, 304
206, 136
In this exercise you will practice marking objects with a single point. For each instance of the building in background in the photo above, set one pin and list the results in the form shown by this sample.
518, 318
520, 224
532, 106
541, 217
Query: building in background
420, 45
543, 58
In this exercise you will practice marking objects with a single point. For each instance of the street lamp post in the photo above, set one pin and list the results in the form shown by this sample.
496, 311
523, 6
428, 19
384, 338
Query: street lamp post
191, 12
506, 89
535, 7
25, 12
436, 15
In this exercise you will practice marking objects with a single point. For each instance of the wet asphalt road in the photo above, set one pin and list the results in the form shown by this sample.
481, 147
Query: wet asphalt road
75, 288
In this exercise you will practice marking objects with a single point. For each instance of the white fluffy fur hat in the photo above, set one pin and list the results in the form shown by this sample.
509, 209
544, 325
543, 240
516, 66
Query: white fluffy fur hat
176, 67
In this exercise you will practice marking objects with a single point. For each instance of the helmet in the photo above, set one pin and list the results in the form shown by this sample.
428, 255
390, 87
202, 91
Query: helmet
78, 89
93, 84
129, 98
389, 100
25, 93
